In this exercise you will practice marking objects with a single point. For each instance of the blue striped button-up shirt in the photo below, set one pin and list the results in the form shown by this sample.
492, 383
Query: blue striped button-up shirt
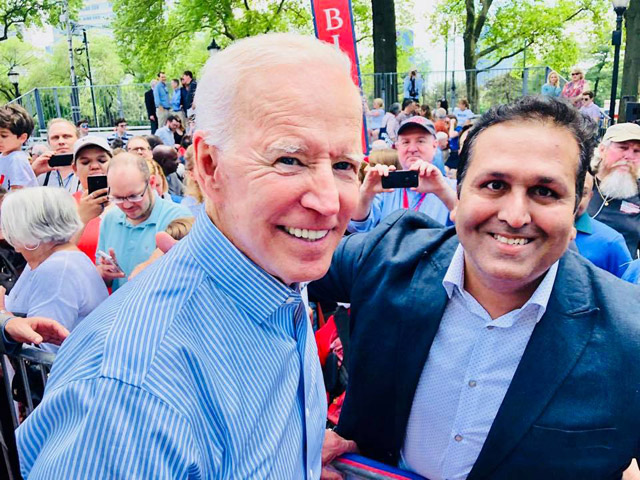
202, 367
470, 367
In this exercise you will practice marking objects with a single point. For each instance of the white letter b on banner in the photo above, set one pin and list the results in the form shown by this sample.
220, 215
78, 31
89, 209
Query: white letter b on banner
333, 15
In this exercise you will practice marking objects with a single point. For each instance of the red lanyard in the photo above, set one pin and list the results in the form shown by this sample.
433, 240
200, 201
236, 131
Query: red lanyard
405, 200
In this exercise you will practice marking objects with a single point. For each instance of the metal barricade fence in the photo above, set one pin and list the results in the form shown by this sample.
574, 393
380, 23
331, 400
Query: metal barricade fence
495, 86
111, 102
31, 367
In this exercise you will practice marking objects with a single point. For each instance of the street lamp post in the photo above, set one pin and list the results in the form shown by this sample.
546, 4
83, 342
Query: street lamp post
14, 78
619, 6
213, 47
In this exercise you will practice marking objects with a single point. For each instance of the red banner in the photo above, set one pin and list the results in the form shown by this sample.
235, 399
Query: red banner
333, 22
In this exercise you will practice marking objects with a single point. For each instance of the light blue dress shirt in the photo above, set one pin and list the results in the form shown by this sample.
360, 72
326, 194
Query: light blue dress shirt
134, 244
203, 367
161, 95
166, 135
469, 369
176, 100
384, 204
551, 91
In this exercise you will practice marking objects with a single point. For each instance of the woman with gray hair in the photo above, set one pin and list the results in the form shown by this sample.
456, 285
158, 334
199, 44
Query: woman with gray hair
59, 281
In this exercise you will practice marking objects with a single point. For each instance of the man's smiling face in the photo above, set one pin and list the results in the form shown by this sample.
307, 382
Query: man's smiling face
517, 201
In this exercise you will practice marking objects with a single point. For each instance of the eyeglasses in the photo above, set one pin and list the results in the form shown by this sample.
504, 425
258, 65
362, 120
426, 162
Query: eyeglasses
576, 73
84, 125
123, 125
130, 198
138, 149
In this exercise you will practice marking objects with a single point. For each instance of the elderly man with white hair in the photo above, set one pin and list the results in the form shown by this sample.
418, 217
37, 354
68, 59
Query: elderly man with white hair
205, 365
616, 197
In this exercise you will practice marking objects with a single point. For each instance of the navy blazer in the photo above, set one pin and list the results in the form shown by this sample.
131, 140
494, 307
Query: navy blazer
572, 409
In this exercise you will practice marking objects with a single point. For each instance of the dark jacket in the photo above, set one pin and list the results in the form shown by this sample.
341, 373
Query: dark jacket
190, 92
150, 103
571, 410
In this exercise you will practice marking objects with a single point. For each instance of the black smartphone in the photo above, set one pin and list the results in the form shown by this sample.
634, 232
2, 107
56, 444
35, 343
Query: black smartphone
96, 182
61, 160
403, 179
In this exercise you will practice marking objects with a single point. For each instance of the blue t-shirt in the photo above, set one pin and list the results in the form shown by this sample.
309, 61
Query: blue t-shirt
65, 287
15, 170
133, 244
633, 272
602, 245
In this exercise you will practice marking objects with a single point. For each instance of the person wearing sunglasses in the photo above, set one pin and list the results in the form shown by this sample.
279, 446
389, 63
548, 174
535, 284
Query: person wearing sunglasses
83, 128
574, 88
127, 233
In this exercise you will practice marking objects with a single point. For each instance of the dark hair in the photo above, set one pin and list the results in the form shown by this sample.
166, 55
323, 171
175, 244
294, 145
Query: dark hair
153, 141
116, 143
119, 121
172, 118
16, 119
406, 102
538, 108
186, 141
175, 80
588, 93
80, 122
188, 73
160, 73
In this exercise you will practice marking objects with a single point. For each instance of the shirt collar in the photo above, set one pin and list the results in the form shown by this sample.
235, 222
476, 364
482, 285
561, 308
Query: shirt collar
454, 280
584, 224
248, 285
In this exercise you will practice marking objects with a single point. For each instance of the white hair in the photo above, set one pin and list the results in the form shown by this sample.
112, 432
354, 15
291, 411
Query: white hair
223, 77
31, 216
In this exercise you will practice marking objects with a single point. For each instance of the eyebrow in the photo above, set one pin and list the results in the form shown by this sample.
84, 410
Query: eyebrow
292, 148
503, 176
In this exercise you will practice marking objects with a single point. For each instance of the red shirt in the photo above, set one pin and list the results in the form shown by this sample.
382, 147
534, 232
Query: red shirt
88, 242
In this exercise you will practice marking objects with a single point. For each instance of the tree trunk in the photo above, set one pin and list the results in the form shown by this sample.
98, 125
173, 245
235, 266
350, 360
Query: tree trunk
631, 65
471, 75
385, 59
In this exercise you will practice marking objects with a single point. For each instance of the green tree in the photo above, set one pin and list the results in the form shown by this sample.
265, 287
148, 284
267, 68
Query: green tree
152, 33
27, 13
14, 53
492, 35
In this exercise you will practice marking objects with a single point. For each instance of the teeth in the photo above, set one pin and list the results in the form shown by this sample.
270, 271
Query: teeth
311, 235
511, 241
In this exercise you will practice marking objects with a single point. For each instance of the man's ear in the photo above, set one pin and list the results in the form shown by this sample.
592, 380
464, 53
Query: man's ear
207, 159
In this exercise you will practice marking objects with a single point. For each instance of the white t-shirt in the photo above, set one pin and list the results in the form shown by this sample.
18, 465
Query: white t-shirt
15, 171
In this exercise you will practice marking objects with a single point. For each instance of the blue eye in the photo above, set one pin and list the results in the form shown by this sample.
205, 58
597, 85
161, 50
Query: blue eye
343, 166
289, 161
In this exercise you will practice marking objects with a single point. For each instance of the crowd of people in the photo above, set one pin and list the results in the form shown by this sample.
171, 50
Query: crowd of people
492, 318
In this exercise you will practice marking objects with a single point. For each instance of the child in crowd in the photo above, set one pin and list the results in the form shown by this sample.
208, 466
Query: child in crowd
15, 127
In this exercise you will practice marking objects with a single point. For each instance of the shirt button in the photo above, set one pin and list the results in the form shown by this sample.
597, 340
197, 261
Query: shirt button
458, 438
472, 383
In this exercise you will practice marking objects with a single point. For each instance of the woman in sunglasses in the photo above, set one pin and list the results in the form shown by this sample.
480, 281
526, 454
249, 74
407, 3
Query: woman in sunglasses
573, 89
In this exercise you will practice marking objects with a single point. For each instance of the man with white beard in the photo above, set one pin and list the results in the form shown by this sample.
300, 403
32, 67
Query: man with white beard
616, 199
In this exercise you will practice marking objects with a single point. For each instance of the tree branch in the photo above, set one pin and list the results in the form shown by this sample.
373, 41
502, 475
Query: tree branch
504, 57
276, 13
246, 5
482, 18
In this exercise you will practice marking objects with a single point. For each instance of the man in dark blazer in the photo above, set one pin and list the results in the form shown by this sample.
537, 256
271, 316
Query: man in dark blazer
150, 105
560, 396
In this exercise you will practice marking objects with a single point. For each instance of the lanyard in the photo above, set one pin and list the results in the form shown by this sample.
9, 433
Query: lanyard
405, 200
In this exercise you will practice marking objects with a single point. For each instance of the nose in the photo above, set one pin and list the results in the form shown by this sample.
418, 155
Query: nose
322, 195
514, 210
